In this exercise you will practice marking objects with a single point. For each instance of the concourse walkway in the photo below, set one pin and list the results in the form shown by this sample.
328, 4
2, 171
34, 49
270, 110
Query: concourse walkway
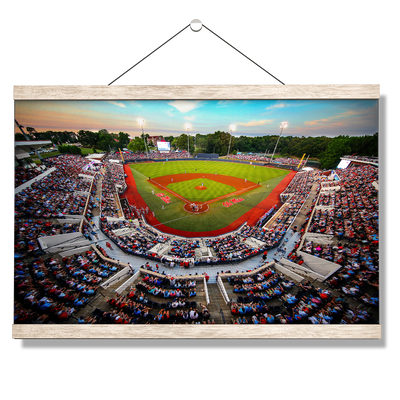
212, 270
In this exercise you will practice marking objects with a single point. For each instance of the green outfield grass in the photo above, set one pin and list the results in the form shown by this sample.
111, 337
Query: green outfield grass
252, 173
188, 189
173, 214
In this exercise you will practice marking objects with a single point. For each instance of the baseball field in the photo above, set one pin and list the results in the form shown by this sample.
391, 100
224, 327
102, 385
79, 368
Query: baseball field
200, 197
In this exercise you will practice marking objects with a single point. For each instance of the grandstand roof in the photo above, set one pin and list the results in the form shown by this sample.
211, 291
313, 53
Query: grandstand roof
362, 160
23, 147
96, 156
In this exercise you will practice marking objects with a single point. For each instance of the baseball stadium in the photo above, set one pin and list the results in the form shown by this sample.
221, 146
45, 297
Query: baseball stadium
166, 234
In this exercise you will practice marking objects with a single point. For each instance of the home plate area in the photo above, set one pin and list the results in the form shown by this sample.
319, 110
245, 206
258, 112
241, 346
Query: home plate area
196, 207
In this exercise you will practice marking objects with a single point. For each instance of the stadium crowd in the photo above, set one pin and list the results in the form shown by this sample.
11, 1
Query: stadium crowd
51, 290
293, 197
265, 158
139, 241
23, 175
151, 155
41, 207
113, 183
351, 216
155, 299
354, 213
299, 303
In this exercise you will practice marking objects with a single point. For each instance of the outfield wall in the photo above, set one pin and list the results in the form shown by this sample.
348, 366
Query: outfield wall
201, 156
260, 164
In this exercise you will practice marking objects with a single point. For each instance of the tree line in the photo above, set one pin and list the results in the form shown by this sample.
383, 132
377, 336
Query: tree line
102, 140
325, 149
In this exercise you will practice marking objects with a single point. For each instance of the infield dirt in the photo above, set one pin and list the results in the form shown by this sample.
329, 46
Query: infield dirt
237, 183
241, 185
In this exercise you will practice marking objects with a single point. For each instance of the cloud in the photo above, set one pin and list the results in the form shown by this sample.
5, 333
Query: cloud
325, 121
278, 105
322, 121
117, 104
185, 106
255, 123
192, 118
350, 115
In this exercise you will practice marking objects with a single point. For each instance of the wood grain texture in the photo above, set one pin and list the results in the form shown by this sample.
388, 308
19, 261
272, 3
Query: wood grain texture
196, 331
196, 92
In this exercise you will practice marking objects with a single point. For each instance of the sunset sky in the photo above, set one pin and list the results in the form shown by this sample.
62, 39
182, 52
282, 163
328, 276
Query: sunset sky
251, 117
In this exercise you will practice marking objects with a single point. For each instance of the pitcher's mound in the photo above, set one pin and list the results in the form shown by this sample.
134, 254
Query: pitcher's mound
200, 187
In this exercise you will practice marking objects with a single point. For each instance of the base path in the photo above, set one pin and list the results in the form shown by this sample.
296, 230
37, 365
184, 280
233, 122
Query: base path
241, 185
237, 183
134, 197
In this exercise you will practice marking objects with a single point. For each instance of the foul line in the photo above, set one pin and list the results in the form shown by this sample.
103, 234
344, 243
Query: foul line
244, 190
170, 191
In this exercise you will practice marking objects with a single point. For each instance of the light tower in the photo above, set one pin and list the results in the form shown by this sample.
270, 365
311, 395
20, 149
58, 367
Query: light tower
283, 126
187, 127
232, 129
141, 124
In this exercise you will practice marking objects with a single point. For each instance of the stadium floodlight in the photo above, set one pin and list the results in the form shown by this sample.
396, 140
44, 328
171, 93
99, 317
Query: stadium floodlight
232, 128
141, 124
188, 127
283, 126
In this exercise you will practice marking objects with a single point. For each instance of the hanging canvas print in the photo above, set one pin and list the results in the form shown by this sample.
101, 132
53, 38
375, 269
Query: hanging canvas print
197, 211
